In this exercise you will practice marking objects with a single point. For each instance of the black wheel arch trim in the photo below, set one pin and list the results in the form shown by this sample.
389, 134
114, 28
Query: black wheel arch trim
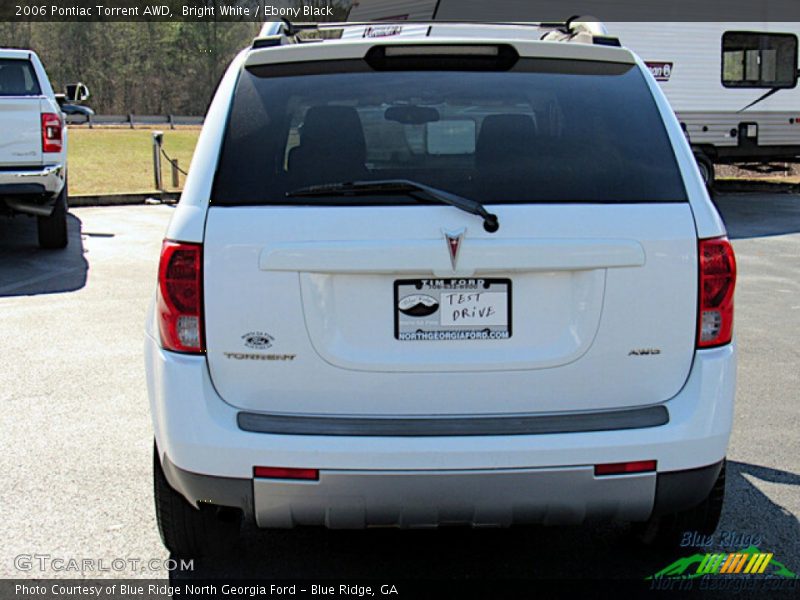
677, 491
232, 492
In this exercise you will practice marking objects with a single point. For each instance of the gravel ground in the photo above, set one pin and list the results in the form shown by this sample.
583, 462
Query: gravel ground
790, 172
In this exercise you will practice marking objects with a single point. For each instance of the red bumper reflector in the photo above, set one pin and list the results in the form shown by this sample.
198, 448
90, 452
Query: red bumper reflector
637, 466
284, 473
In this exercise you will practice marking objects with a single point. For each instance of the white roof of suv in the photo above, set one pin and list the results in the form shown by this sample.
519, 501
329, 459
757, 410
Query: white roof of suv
529, 39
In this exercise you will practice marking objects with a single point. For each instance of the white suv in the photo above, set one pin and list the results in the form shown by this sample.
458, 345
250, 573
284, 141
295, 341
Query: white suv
467, 278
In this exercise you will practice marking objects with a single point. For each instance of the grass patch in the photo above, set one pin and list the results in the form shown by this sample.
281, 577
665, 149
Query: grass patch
115, 161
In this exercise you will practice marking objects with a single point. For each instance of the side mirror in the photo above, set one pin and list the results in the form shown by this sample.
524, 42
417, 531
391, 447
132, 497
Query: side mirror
76, 92
759, 60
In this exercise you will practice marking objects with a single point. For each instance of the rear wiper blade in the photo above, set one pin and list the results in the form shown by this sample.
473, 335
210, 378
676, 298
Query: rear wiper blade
413, 189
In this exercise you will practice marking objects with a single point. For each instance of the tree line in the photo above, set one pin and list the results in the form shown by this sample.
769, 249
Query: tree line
142, 68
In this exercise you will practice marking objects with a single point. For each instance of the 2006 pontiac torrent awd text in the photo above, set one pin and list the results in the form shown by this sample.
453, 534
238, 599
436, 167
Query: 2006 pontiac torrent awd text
452, 279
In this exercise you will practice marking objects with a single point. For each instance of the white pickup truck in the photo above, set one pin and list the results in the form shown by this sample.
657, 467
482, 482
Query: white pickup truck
33, 145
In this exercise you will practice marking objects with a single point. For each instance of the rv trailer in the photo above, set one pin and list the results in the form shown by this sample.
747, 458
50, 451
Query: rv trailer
732, 85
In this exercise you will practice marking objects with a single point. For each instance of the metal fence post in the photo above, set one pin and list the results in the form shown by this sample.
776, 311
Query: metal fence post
158, 139
175, 180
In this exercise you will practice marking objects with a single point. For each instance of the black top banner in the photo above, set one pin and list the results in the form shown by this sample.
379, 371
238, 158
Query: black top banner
751, 11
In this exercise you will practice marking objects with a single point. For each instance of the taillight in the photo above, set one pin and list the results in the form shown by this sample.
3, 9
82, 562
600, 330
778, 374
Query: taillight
52, 133
180, 295
717, 281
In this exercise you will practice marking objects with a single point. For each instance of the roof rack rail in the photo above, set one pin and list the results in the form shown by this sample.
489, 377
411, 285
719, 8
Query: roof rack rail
586, 30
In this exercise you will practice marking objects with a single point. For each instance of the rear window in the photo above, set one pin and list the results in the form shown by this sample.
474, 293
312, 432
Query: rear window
17, 78
544, 131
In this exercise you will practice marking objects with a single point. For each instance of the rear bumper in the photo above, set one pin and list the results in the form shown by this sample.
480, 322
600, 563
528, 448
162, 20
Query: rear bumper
487, 498
31, 189
199, 439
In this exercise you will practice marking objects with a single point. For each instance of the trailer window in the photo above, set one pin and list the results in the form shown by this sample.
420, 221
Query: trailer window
759, 60
543, 131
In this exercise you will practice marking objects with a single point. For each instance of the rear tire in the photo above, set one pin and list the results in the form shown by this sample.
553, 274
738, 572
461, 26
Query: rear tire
192, 532
706, 167
667, 530
52, 230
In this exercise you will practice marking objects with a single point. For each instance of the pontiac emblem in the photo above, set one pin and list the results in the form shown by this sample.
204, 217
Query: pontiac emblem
454, 240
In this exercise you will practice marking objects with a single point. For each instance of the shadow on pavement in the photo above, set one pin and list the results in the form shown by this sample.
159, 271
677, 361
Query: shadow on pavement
759, 215
749, 510
595, 552
26, 270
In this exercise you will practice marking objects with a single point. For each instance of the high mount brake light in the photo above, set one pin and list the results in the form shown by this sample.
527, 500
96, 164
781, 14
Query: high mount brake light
442, 57
180, 295
441, 50
717, 268
52, 133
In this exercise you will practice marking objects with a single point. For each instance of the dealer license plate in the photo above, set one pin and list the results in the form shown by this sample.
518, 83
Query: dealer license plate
452, 309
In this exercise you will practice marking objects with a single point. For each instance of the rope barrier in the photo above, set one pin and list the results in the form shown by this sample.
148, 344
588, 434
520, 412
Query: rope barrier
171, 161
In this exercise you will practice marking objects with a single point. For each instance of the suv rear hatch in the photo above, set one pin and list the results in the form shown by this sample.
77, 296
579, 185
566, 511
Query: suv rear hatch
584, 299
20, 114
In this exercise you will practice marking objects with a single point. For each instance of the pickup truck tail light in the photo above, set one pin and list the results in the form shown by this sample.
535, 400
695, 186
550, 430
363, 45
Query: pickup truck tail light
717, 282
52, 133
179, 297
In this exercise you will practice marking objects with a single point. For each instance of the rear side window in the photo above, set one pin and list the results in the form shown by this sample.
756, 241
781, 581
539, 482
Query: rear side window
544, 131
17, 78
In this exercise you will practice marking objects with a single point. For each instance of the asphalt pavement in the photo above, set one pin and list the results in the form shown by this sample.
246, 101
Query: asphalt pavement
77, 439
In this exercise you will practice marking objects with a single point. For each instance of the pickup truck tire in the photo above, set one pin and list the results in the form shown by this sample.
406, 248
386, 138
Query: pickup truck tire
667, 530
53, 229
188, 531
